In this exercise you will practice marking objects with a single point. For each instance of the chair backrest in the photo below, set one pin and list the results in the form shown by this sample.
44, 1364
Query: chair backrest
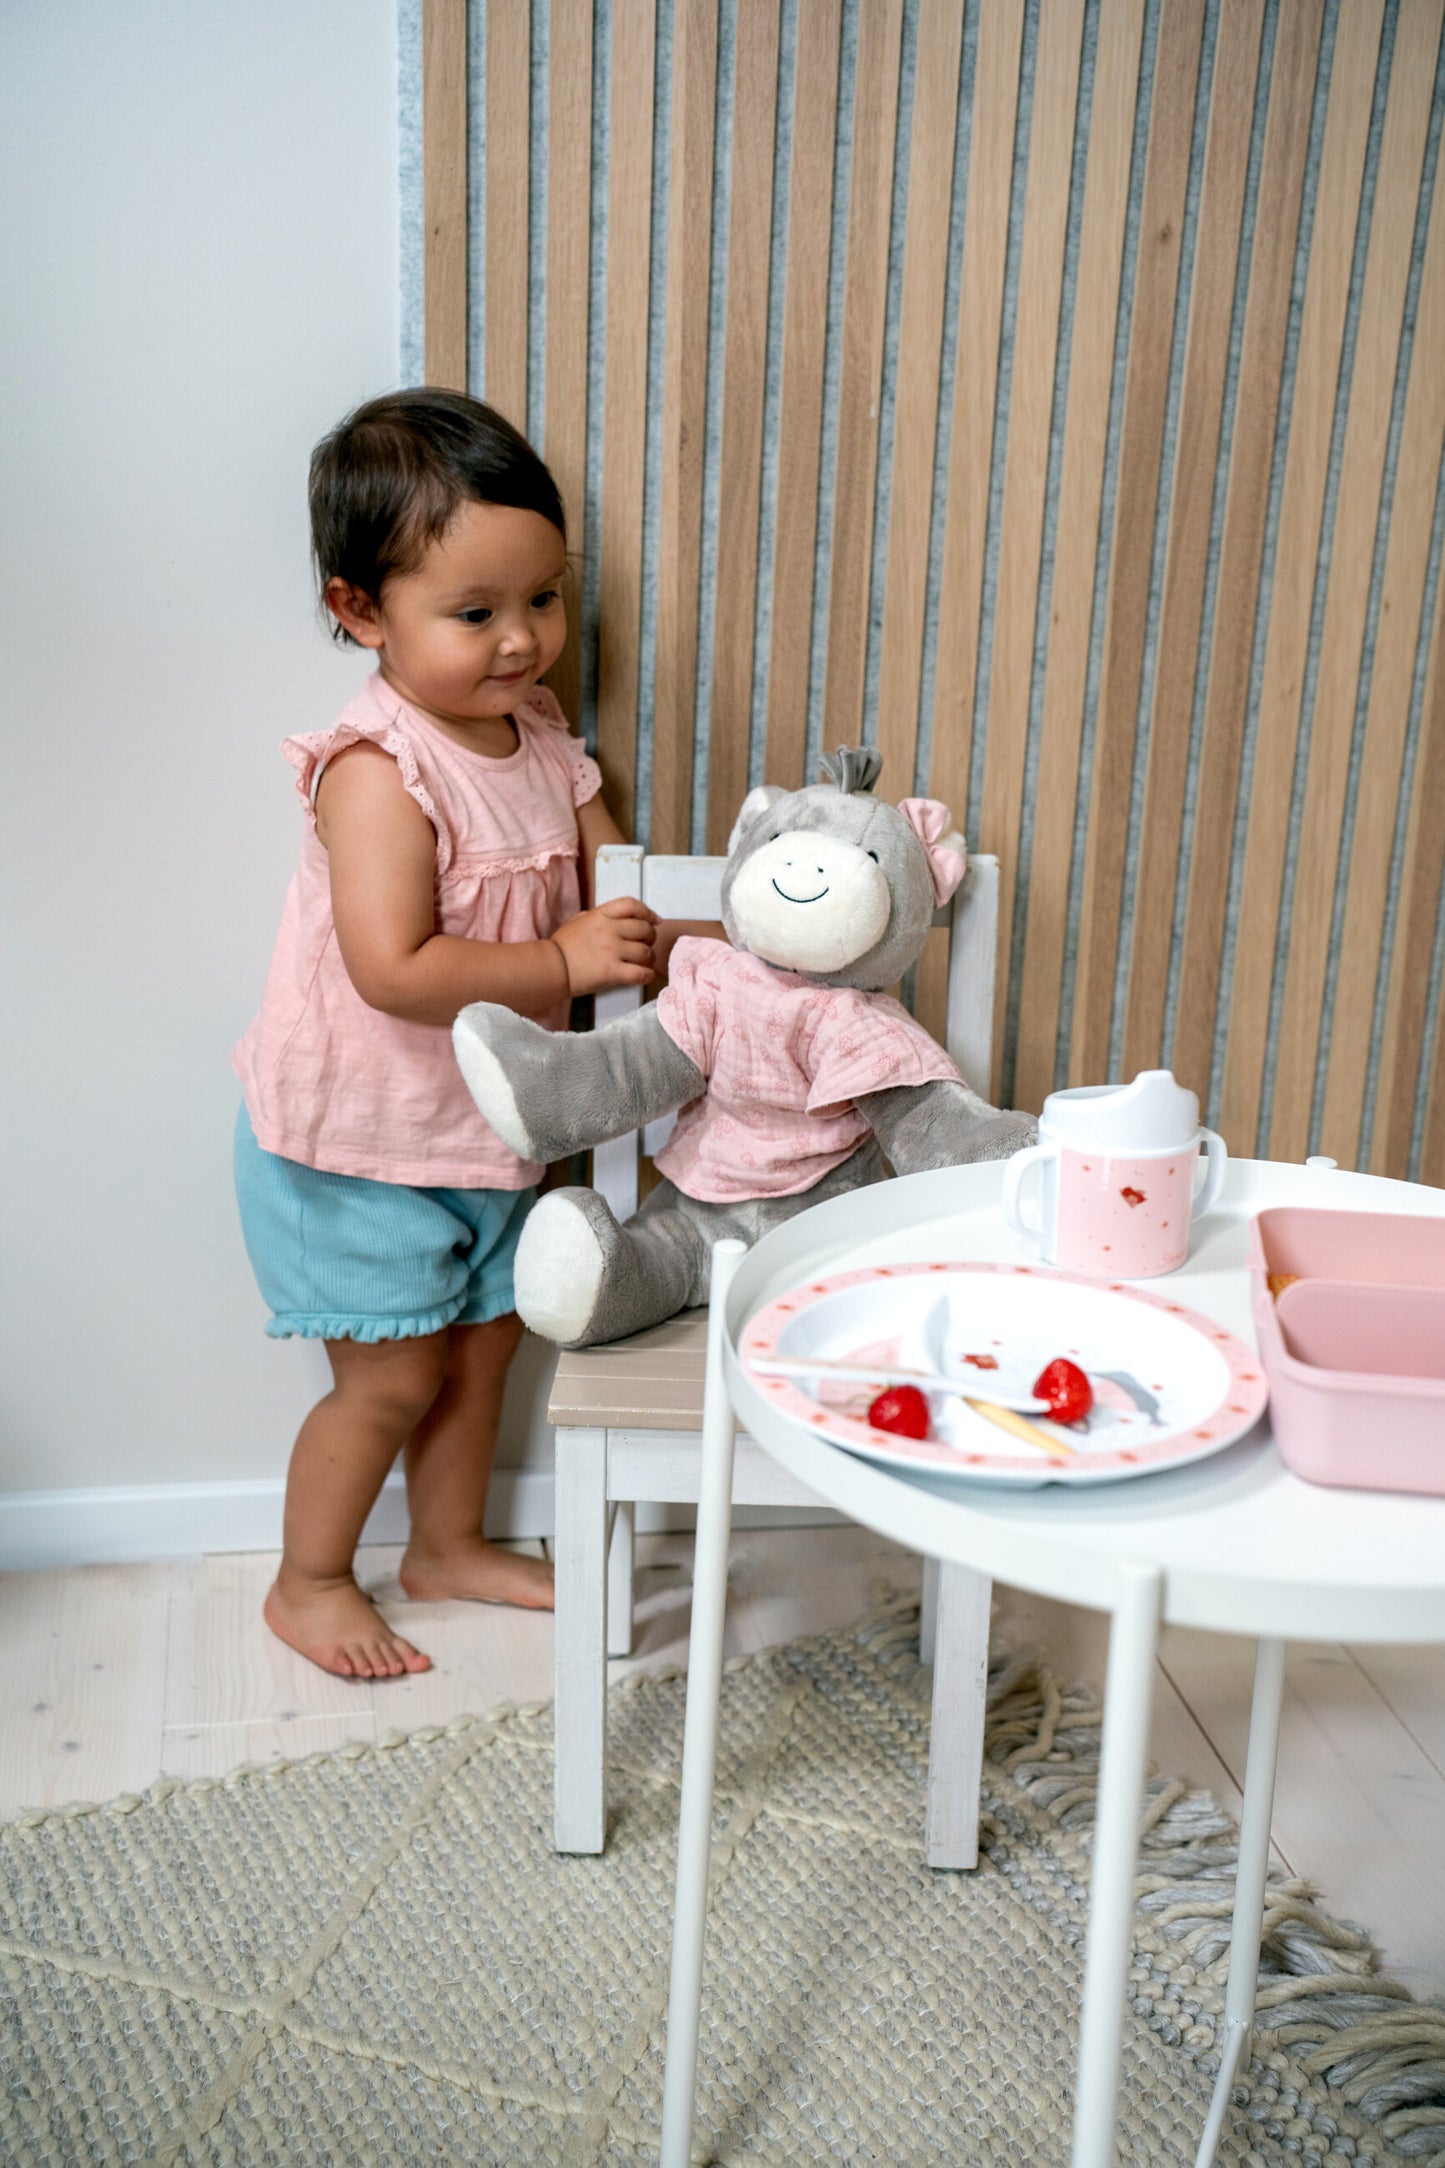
692, 888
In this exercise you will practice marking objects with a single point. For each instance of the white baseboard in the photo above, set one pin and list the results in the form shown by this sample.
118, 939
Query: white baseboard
123, 1526
128, 1525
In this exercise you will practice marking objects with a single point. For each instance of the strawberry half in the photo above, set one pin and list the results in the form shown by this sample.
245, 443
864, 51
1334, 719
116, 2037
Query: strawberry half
1067, 1391
903, 1410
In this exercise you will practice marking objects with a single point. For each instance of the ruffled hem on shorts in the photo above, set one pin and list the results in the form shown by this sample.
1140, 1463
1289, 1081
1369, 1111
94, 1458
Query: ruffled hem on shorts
290, 1324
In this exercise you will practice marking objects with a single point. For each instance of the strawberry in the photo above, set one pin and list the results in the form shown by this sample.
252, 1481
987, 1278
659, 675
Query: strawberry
1067, 1391
903, 1410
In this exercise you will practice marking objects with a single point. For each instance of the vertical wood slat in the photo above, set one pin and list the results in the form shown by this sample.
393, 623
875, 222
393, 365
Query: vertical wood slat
509, 104
1432, 1142
1423, 890
1031, 399
1241, 552
1081, 485
800, 418
1372, 389
970, 450
980, 314
624, 432
1166, 177
689, 261
569, 208
1419, 903
875, 111
1201, 406
744, 372
444, 191
920, 347
1402, 597
1336, 203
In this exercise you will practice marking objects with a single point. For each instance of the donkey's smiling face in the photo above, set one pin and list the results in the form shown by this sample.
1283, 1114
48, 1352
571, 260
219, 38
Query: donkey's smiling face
832, 882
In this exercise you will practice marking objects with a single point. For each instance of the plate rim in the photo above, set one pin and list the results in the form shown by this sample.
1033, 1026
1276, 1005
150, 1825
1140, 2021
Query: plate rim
1231, 1420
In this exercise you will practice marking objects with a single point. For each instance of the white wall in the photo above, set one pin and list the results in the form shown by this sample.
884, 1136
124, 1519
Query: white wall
198, 209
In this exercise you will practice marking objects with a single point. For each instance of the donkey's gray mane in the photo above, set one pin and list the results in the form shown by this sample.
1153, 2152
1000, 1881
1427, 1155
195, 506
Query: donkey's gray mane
852, 767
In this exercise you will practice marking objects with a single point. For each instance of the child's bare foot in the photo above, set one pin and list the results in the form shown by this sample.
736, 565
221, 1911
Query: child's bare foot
333, 1624
484, 1572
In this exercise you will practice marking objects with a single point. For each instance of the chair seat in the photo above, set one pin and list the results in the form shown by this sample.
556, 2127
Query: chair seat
650, 1381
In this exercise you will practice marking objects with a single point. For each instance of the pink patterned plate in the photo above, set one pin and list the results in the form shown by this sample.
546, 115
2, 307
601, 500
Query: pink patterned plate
1169, 1385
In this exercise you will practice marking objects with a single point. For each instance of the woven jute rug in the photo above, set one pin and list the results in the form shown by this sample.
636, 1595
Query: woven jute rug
374, 1957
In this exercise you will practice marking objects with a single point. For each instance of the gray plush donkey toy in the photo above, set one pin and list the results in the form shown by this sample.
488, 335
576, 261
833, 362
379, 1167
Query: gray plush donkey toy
797, 1078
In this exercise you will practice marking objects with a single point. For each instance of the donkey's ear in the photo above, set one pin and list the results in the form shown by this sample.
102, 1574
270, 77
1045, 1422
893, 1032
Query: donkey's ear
756, 802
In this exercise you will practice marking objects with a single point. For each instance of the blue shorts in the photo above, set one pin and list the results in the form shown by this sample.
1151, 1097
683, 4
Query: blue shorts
338, 1257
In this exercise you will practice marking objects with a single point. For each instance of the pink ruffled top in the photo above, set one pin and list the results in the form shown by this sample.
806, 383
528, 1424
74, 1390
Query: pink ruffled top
785, 1059
346, 1088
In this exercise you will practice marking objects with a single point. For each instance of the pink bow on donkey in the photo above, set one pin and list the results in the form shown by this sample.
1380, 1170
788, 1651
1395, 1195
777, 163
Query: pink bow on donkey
932, 822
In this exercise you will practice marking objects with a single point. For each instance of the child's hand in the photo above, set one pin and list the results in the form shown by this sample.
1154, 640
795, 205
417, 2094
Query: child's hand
609, 946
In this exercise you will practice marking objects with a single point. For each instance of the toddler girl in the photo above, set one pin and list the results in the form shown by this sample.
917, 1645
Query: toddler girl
446, 812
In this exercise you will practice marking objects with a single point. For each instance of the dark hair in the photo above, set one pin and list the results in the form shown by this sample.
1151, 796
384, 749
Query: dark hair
388, 479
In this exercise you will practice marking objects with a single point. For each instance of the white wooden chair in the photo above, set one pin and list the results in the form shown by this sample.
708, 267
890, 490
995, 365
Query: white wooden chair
628, 1415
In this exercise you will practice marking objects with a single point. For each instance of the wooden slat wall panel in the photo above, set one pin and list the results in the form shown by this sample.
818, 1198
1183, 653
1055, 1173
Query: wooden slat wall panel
978, 619
624, 435
569, 211
800, 419
1420, 884
980, 316
1246, 508
744, 361
1081, 486
1201, 407
875, 107
689, 253
509, 104
1031, 398
444, 190
920, 338
1171, 130
1357, 44
985, 255
1387, 268
1418, 467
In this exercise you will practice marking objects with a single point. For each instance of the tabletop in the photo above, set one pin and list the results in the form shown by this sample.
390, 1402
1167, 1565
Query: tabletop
1244, 1545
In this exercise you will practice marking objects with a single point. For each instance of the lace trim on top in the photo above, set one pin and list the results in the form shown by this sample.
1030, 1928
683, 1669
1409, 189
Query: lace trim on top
309, 753
489, 862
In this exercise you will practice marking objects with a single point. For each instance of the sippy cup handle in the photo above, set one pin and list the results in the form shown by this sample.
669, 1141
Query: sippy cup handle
1013, 1176
1216, 1162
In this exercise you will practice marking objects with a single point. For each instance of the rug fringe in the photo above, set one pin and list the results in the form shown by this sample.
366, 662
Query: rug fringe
1320, 1991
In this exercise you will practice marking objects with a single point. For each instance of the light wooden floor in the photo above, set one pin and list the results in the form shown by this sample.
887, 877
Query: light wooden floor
114, 1674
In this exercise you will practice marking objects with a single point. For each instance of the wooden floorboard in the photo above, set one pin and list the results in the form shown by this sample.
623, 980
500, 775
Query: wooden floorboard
82, 1688
116, 1673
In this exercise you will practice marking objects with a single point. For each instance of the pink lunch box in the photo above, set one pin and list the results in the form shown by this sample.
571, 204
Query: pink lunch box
1354, 1347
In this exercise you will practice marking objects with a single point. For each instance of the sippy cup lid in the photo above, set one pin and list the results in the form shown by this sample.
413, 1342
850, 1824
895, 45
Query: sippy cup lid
1153, 1114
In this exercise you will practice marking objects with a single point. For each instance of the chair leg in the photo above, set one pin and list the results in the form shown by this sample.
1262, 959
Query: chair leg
960, 1681
580, 1716
699, 1744
619, 1580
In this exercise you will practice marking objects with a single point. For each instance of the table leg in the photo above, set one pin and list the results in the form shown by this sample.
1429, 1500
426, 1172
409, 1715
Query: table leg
1249, 1882
1128, 1691
928, 1611
699, 1747
960, 1691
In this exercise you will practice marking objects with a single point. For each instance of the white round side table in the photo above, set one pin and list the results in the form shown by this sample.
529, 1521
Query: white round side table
1233, 1544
